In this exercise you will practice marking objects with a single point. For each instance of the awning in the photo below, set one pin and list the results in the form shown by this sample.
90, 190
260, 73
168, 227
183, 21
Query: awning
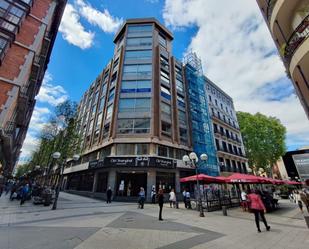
203, 178
244, 178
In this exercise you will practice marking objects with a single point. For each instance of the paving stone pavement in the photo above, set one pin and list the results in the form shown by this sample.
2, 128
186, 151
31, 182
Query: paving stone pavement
85, 223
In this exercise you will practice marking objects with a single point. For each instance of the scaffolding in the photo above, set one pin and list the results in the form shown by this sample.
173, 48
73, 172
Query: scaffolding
202, 134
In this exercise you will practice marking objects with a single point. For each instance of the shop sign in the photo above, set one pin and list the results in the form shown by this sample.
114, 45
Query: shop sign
140, 162
93, 164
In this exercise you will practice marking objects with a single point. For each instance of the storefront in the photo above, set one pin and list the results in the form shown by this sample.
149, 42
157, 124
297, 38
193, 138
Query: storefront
126, 175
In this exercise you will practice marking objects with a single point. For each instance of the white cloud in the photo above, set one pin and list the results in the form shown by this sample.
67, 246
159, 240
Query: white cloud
50, 93
103, 19
38, 120
73, 31
239, 55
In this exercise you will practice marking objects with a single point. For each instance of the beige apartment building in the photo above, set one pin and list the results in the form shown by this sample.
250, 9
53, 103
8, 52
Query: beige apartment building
288, 22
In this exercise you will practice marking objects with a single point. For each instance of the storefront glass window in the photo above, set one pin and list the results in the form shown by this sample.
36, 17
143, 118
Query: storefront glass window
165, 181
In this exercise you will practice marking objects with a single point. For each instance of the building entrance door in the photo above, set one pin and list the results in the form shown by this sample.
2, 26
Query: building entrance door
129, 183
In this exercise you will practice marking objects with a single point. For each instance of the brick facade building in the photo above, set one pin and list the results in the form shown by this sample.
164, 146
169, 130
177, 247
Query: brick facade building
28, 29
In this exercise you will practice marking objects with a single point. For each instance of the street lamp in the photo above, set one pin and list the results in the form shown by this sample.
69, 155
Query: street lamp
57, 155
194, 160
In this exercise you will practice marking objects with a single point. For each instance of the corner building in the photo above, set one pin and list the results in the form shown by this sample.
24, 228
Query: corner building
28, 29
288, 22
134, 119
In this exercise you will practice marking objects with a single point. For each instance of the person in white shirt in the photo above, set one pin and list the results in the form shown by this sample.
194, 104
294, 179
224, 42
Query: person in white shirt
244, 203
172, 198
188, 201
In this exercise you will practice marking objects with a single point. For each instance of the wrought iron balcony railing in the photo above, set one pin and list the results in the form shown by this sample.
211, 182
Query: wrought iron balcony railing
300, 34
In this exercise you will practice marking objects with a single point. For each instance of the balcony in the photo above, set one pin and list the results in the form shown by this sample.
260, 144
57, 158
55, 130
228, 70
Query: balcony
270, 7
300, 34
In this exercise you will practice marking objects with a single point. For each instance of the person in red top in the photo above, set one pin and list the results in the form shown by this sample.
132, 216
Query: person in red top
257, 207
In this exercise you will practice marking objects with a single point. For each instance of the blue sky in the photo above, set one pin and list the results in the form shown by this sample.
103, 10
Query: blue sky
234, 44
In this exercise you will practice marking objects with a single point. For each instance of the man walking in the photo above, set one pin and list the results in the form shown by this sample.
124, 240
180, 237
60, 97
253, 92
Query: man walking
109, 193
160, 201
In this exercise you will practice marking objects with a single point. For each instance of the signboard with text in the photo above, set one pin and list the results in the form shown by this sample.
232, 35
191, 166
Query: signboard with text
301, 162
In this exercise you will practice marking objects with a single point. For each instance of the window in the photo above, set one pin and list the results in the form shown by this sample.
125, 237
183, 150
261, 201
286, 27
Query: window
134, 105
142, 149
164, 62
183, 134
106, 130
126, 126
165, 181
136, 86
102, 182
179, 86
143, 70
139, 28
162, 151
142, 41
165, 77
4, 42
90, 126
166, 128
109, 111
162, 40
102, 102
165, 108
99, 121
111, 95
182, 117
125, 149
216, 102
165, 93
138, 55
181, 101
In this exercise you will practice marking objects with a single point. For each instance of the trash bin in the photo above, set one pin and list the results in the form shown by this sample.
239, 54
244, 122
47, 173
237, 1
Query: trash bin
224, 210
307, 220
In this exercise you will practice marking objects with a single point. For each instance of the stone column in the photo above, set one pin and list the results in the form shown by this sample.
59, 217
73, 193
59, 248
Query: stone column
95, 181
112, 181
151, 180
177, 182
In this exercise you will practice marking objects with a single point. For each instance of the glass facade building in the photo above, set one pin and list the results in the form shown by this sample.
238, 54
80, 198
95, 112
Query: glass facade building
139, 117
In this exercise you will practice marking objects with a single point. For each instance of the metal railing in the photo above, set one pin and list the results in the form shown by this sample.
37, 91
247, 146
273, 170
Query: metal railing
300, 34
270, 7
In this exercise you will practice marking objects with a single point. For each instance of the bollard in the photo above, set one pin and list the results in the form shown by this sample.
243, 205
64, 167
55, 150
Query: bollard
307, 220
224, 210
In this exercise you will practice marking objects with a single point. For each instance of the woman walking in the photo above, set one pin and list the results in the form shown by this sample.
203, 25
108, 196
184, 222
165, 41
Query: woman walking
160, 201
257, 207
141, 199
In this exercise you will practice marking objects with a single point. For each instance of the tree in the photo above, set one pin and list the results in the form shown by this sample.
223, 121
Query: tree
263, 137
59, 134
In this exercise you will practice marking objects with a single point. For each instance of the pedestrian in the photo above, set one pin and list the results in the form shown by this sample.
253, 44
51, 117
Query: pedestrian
188, 199
299, 201
243, 197
24, 193
304, 197
184, 197
172, 198
257, 207
153, 195
160, 201
109, 193
141, 198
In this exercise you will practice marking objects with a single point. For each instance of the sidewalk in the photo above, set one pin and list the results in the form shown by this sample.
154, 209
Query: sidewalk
85, 223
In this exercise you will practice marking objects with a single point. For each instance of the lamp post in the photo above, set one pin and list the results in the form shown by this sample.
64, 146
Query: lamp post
194, 160
56, 156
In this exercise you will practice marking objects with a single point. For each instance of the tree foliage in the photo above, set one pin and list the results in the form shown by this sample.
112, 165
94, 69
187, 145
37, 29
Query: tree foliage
59, 134
263, 137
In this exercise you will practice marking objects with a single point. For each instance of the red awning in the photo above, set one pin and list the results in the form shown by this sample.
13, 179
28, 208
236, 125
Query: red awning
203, 178
293, 182
244, 178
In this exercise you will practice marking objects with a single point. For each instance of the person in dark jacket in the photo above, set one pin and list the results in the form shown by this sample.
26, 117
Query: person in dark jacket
109, 193
160, 201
